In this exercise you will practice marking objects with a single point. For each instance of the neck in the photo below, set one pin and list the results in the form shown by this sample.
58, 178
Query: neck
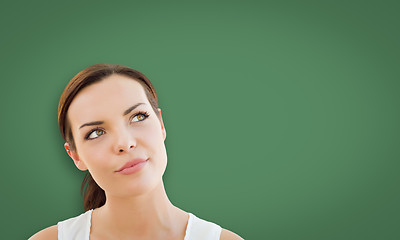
141, 215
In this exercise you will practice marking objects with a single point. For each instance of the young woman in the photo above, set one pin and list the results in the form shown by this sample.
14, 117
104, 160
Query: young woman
109, 117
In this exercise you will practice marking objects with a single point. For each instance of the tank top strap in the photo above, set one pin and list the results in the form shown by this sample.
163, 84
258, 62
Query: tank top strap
78, 228
75, 228
199, 229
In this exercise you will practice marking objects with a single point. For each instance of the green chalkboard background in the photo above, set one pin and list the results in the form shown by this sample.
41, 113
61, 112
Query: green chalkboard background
282, 117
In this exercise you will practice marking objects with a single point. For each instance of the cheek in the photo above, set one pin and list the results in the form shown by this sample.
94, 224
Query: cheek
97, 161
95, 156
152, 137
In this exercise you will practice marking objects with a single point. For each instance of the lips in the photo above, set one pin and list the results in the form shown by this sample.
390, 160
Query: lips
132, 164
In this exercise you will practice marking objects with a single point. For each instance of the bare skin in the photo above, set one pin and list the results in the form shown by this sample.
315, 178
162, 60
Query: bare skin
137, 206
159, 219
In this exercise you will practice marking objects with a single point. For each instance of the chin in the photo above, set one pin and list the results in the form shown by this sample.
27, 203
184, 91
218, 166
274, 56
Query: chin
138, 187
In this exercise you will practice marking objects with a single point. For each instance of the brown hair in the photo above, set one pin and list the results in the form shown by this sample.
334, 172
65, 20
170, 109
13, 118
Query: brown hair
94, 196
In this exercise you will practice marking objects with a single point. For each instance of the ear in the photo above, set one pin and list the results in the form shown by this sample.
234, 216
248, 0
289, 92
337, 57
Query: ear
74, 155
164, 132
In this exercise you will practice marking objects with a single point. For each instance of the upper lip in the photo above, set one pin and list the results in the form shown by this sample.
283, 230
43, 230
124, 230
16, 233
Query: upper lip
131, 163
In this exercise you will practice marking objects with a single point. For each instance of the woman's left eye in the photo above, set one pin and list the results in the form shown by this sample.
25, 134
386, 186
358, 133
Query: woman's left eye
139, 117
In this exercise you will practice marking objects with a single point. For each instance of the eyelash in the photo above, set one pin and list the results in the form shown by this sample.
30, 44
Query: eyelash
145, 114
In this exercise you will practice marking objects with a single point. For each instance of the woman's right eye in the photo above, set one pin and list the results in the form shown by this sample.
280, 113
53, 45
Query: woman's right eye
95, 134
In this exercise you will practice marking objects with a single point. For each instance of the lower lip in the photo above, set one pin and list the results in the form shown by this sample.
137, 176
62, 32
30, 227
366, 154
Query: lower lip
134, 169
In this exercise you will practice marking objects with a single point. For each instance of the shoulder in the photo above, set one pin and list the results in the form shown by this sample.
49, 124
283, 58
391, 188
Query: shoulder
50, 233
228, 235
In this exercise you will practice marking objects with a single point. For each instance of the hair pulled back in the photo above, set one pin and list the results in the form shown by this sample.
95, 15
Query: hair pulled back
94, 196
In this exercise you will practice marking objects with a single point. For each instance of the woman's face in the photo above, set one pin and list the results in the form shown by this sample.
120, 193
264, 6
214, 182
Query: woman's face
115, 127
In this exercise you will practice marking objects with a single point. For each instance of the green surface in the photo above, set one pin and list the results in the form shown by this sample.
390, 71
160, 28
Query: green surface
282, 118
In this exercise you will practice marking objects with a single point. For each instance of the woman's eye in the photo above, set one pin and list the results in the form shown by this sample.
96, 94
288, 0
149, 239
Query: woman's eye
139, 117
95, 134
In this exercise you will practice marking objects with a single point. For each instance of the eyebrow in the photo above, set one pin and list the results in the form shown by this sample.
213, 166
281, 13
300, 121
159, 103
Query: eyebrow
126, 112
91, 124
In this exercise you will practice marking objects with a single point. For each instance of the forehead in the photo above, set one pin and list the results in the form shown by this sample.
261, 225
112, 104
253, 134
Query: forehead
111, 96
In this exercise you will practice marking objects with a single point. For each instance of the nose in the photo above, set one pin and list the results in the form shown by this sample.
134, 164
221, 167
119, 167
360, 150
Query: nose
124, 141
122, 148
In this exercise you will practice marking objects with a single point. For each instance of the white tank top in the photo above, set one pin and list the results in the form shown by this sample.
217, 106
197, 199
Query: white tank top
78, 228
